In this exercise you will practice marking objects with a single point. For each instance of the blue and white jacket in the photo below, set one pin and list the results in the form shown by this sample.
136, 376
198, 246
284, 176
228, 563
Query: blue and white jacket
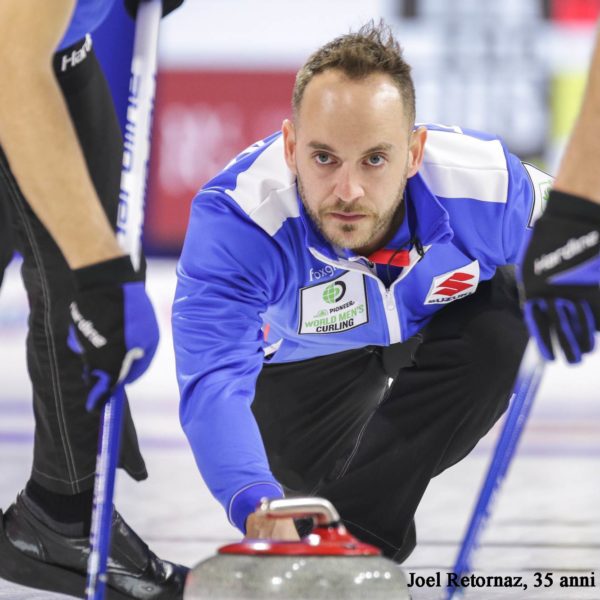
254, 262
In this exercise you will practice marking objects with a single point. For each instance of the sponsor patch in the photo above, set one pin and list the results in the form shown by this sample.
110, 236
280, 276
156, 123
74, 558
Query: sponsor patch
454, 285
541, 182
334, 306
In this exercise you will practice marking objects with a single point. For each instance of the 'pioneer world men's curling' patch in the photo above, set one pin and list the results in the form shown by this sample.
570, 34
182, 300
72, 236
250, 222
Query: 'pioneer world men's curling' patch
335, 306
454, 285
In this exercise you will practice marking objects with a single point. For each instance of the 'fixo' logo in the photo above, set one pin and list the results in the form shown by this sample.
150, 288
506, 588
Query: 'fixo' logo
335, 292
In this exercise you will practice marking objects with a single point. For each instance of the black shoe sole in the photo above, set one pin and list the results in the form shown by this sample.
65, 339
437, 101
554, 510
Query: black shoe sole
24, 570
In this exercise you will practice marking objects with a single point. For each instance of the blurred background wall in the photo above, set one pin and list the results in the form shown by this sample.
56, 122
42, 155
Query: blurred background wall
511, 67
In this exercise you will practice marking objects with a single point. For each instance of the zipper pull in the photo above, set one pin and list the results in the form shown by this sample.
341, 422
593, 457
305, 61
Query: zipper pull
389, 300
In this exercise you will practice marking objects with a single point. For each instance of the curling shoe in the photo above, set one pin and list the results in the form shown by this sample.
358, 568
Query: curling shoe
34, 555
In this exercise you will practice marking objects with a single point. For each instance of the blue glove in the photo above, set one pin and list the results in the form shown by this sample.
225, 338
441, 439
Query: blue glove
113, 324
561, 277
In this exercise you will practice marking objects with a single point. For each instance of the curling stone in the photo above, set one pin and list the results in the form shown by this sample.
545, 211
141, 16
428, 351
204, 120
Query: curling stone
327, 564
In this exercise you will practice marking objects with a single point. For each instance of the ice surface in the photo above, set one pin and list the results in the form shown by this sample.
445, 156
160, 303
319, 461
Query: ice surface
546, 518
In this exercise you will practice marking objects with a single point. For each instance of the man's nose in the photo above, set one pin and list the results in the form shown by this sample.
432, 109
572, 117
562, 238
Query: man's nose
348, 186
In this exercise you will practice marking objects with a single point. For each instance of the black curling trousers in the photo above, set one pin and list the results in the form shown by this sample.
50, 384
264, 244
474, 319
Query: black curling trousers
335, 426
66, 435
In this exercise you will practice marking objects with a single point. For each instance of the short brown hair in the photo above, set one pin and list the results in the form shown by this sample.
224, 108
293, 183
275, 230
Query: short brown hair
372, 49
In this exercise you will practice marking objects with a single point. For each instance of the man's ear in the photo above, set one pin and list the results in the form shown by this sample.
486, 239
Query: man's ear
289, 144
416, 150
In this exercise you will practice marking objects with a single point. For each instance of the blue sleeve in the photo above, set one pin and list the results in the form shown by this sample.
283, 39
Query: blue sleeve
528, 189
229, 272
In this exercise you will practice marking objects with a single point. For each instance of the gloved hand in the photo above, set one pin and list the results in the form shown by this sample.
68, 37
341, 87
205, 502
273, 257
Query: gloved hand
113, 324
561, 277
168, 6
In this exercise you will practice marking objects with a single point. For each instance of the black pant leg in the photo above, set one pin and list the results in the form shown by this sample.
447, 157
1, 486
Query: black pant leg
436, 412
66, 435
311, 412
6, 235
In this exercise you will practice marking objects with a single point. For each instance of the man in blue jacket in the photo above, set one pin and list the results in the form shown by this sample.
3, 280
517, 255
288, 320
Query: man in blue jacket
344, 325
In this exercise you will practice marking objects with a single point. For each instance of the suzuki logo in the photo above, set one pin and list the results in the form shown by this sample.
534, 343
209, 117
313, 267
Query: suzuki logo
454, 284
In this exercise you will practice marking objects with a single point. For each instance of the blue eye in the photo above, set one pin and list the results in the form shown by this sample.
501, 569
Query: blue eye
323, 158
375, 160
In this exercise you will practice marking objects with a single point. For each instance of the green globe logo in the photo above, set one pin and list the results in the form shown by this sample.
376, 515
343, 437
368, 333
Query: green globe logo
334, 292
545, 191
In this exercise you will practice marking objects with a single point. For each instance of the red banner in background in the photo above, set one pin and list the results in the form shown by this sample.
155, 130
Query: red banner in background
575, 11
202, 120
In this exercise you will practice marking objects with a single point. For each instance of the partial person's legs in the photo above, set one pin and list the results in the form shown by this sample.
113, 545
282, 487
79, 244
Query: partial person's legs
66, 435
54, 511
332, 427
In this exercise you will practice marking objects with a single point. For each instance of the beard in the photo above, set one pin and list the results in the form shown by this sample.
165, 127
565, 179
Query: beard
376, 227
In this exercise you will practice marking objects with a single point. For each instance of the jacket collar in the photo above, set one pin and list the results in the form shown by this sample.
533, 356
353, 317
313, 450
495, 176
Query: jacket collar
428, 220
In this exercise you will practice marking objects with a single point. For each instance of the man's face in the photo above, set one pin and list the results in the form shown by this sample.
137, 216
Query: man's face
352, 150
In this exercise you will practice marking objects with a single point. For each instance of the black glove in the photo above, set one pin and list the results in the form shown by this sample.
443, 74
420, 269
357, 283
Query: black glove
561, 277
168, 6
114, 326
